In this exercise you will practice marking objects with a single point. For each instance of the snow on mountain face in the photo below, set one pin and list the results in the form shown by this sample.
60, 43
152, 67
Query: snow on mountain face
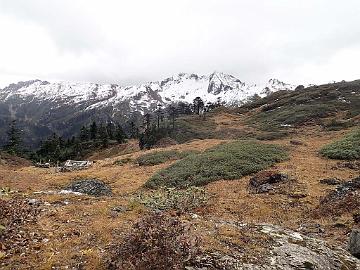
182, 87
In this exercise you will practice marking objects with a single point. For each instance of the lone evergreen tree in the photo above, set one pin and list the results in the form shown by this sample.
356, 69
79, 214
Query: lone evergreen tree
198, 105
14, 139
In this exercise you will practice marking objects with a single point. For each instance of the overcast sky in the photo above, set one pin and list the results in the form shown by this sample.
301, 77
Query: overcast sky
126, 42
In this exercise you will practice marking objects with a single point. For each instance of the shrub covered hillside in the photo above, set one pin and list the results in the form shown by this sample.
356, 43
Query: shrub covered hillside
226, 161
345, 148
315, 104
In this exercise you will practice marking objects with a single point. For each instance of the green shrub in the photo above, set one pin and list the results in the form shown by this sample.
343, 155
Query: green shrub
294, 115
334, 124
171, 198
269, 136
123, 161
158, 157
346, 148
225, 161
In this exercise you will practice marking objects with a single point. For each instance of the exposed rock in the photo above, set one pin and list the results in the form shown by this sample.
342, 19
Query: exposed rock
311, 229
353, 165
343, 190
344, 199
356, 217
264, 181
93, 187
299, 87
354, 243
33, 201
296, 142
281, 249
330, 181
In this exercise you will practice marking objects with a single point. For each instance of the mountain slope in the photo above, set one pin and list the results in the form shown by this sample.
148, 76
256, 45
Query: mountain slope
42, 107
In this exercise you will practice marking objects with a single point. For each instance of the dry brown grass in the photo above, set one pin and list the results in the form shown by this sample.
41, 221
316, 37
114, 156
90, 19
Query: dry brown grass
79, 228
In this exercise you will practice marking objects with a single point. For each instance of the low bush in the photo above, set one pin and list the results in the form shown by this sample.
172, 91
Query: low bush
269, 136
225, 161
347, 148
334, 124
173, 199
158, 157
123, 161
294, 115
156, 242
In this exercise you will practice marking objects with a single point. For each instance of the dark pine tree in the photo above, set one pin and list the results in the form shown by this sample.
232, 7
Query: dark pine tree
134, 130
103, 135
159, 115
147, 121
120, 135
84, 134
110, 128
173, 113
198, 105
13, 145
93, 131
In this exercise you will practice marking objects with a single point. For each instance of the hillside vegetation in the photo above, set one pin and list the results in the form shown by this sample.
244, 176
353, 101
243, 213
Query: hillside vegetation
314, 104
347, 147
226, 161
195, 202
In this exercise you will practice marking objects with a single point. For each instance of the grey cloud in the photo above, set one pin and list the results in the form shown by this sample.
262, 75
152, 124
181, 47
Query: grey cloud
141, 40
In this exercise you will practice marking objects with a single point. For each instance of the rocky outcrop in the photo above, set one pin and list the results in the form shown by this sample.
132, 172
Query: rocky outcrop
280, 249
92, 187
266, 181
354, 243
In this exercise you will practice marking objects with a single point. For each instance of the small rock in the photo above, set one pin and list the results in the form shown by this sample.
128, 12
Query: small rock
93, 187
119, 209
296, 142
312, 228
330, 181
33, 201
356, 217
265, 181
354, 243
194, 216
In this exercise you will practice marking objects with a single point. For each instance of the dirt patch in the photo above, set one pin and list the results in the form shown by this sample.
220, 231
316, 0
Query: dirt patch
17, 216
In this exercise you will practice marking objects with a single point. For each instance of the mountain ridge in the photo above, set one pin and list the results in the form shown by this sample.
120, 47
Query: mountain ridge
43, 107
181, 87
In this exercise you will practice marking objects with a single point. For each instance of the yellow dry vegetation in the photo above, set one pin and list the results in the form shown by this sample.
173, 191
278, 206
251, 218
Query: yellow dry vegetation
78, 228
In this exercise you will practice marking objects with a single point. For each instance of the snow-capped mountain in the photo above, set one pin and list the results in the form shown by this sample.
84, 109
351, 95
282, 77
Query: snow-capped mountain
64, 106
182, 87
